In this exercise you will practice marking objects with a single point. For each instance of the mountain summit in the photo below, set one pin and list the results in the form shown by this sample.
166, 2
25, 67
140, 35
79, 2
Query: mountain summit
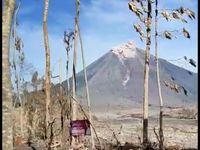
126, 50
116, 79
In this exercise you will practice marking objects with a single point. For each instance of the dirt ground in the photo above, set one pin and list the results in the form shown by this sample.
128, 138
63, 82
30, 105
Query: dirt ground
126, 126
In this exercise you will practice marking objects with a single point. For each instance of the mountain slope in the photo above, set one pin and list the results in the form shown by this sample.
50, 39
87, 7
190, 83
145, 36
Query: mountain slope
117, 79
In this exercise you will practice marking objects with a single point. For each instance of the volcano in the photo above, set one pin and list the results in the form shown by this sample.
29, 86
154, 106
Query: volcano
116, 79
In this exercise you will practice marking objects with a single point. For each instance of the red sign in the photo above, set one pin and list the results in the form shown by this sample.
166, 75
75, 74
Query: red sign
80, 127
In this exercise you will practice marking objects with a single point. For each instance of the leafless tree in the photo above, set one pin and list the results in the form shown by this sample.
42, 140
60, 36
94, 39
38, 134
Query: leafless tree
138, 8
47, 75
8, 9
177, 14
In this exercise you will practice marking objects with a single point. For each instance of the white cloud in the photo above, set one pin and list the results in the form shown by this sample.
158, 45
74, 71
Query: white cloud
104, 24
115, 13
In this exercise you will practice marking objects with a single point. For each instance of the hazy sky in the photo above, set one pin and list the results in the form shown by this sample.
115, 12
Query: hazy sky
104, 24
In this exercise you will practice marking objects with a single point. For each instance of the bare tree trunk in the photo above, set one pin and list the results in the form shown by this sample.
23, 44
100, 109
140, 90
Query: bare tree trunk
8, 10
87, 89
146, 75
17, 74
47, 74
29, 119
158, 80
21, 108
61, 95
64, 126
68, 102
74, 105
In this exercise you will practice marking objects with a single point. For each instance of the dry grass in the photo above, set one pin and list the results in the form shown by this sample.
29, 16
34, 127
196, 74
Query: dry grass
37, 115
181, 113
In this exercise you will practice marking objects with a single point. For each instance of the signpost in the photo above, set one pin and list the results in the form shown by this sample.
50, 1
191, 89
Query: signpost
80, 127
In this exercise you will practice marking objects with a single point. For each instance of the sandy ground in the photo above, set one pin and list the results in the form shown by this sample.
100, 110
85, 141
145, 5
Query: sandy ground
127, 125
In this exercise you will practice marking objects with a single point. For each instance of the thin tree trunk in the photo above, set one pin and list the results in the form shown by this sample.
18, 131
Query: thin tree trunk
29, 118
21, 108
62, 116
66, 127
17, 74
158, 80
8, 10
61, 98
13, 30
74, 105
87, 89
146, 75
47, 74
